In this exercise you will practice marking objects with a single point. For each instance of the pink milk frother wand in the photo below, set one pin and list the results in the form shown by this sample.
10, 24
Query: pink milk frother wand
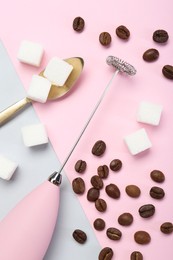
25, 233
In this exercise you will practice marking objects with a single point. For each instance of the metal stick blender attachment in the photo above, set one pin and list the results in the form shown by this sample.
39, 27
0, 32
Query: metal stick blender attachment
25, 233
121, 66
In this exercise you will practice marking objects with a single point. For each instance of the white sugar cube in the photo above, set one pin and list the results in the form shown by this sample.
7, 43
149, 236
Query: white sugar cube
39, 89
30, 53
7, 168
57, 71
138, 141
34, 135
149, 113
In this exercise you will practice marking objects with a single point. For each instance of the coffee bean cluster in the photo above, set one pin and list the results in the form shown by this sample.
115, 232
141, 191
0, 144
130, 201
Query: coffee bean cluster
112, 190
159, 36
121, 31
150, 55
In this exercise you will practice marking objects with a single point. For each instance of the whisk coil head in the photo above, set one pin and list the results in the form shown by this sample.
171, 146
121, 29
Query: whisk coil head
121, 65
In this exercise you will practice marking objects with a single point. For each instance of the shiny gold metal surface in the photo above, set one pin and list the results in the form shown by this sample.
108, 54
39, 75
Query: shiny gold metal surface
55, 92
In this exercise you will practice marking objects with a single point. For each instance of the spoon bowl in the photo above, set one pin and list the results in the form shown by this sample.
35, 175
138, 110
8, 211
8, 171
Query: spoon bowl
55, 92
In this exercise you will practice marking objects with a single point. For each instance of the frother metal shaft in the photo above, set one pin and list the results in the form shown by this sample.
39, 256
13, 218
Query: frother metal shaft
120, 66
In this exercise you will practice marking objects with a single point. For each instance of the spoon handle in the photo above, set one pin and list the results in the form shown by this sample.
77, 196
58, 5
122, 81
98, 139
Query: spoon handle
13, 109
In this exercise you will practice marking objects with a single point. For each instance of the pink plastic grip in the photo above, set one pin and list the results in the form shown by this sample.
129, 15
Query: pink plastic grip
25, 233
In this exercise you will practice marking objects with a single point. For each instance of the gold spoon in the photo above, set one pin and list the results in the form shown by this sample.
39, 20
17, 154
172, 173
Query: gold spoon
55, 91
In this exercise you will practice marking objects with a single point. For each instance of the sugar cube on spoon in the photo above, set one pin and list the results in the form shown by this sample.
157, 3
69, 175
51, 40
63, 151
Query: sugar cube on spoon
57, 71
39, 89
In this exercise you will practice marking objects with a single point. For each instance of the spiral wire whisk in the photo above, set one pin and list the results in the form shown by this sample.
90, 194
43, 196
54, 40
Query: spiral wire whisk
121, 65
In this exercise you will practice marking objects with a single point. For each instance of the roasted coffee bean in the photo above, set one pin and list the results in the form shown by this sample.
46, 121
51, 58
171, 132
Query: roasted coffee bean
103, 171
142, 237
78, 185
157, 176
160, 36
99, 148
167, 228
106, 254
133, 191
122, 32
99, 224
80, 236
125, 219
136, 255
115, 165
80, 166
112, 191
157, 193
167, 71
151, 55
146, 210
105, 38
78, 24
113, 233
97, 182
101, 205
93, 194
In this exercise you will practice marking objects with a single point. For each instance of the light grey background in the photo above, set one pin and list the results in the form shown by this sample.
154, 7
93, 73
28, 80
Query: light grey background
35, 165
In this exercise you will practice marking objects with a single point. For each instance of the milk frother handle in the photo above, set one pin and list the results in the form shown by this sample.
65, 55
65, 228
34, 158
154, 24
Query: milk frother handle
25, 233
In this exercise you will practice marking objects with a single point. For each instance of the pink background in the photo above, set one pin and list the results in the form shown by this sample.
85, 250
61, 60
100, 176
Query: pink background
50, 23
